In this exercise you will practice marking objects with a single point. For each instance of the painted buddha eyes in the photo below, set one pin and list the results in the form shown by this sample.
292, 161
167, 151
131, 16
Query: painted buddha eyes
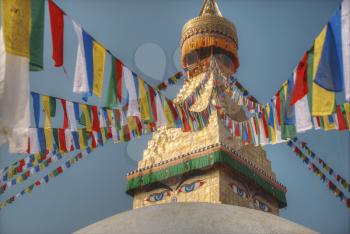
239, 191
158, 196
187, 188
261, 205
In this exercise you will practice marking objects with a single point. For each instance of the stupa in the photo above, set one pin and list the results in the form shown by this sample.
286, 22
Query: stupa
203, 181
208, 165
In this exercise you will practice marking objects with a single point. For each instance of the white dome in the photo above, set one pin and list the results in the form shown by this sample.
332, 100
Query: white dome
194, 218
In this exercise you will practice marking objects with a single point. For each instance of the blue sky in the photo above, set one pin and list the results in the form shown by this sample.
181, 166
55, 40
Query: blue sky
145, 35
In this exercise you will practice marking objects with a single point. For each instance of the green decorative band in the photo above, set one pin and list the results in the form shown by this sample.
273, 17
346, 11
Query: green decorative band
203, 162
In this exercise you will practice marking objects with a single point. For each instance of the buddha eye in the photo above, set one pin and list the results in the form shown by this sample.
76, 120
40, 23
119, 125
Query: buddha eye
239, 191
261, 205
187, 188
157, 196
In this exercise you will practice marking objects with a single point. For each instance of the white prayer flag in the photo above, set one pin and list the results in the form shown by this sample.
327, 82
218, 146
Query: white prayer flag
161, 119
14, 100
71, 116
345, 23
81, 84
128, 77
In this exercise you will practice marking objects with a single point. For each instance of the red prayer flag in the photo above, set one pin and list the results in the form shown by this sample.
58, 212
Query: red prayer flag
266, 130
62, 139
119, 75
57, 28
278, 108
95, 121
153, 103
341, 119
65, 116
300, 86
59, 170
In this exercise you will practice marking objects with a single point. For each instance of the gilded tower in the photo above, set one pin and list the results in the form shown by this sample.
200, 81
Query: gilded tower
208, 165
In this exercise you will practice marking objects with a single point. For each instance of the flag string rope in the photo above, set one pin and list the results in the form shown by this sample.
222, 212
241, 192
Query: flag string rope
312, 167
324, 165
47, 178
54, 173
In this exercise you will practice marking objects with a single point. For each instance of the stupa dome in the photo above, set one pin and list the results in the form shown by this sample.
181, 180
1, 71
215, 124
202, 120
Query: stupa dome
195, 218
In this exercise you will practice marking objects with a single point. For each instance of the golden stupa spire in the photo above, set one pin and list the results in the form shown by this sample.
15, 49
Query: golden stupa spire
210, 7
210, 164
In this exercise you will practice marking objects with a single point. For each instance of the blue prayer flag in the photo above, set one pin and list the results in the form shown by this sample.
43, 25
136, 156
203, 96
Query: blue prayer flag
330, 73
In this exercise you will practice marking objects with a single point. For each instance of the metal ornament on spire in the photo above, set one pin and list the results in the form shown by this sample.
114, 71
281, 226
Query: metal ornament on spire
210, 7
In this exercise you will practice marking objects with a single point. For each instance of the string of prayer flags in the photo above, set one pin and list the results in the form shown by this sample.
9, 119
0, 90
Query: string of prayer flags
324, 165
19, 166
48, 177
172, 80
340, 120
312, 167
57, 31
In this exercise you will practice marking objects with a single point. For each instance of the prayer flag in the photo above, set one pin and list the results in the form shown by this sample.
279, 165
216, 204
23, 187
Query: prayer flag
99, 54
301, 106
16, 21
144, 102
129, 79
33, 140
341, 119
37, 35
48, 138
81, 84
36, 108
330, 69
300, 86
323, 101
71, 116
345, 32
14, 76
57, 30
88, 51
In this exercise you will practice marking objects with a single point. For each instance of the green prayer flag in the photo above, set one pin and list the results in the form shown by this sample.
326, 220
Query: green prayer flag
37, 35
52, 106
111, 93
55, 136
310, 63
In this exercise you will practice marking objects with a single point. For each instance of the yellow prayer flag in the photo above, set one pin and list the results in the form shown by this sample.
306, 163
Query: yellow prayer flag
168, 113
81, 139
132, 123
103, 133
16, 21
327, 125
86, 113
46, 105
323, 101
347, 112
144, 103
48, 138
19, 179
99, 56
